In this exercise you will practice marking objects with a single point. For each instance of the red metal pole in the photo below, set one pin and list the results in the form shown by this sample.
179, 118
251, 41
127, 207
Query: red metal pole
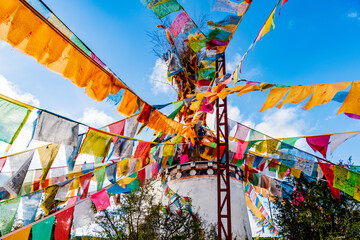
223, 168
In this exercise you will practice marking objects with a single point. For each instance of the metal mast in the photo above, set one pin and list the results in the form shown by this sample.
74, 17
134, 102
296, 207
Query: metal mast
222, 149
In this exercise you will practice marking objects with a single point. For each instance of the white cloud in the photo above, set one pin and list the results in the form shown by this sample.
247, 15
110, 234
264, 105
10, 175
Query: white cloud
284, 122
352, 15
251, 74
95, 118
11, 90
231, 65
159, 80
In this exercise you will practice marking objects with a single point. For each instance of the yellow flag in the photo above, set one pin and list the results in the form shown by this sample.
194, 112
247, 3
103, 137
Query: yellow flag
47, 156
269, 24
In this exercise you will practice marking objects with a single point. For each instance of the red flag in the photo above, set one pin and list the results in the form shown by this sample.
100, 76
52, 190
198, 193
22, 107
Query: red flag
328, 171
319, 143
142, 151
63, 223
282, 3
101, 200
117, 128
85, 183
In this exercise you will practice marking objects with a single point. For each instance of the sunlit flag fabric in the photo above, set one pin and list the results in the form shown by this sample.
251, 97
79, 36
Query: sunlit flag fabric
336, 140
50, 194
23, 234
14, 184
101, 200
178, 23
100, 177
29, 207
12, 118
63, 190
8, 211
63, 223
319, 143
85, 183
42, 230
83, 214
55, 129
47, 156
71, 152
164, 9
96, 143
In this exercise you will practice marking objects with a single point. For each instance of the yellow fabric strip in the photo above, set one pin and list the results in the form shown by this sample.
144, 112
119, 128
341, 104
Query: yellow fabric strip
324, 93
275, 95
298, 94
352, 101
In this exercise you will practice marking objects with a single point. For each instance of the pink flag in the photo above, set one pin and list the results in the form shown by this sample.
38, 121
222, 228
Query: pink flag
240, 150
178, 23
207, 107
117, 128
101, 200
184, 158
241, 132
63, 223
319, 143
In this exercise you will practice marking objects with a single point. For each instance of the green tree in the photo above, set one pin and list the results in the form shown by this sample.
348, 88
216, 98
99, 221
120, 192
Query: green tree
141, 215
318, 215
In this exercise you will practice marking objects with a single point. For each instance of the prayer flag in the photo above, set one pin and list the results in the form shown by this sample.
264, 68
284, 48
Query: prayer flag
23, 234
166, 8
275, 95
8, 211
336, 140
71, 152
14, 184
12, 118
62, 193
42, 230
63, 224
178, 23
129, 104
30, 205
47, 156
241, 132
350, 104
319, 143
101, 200
324, 93
100, 177
96, 143
55, 129
83, 214
111, 172
117, 128
50, 193
85, 183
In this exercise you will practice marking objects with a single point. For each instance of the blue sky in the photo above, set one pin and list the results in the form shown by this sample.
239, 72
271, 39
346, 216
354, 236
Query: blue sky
313, 42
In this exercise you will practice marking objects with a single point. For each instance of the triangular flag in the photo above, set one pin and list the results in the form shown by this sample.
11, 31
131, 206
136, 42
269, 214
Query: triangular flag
336, 140
8, 211
42, 230
319, 143
23, 234
30, 205
101, 200
47, 156
63, 224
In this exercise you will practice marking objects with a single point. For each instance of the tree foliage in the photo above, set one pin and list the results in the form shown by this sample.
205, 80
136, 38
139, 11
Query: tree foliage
140, 215
311, 212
